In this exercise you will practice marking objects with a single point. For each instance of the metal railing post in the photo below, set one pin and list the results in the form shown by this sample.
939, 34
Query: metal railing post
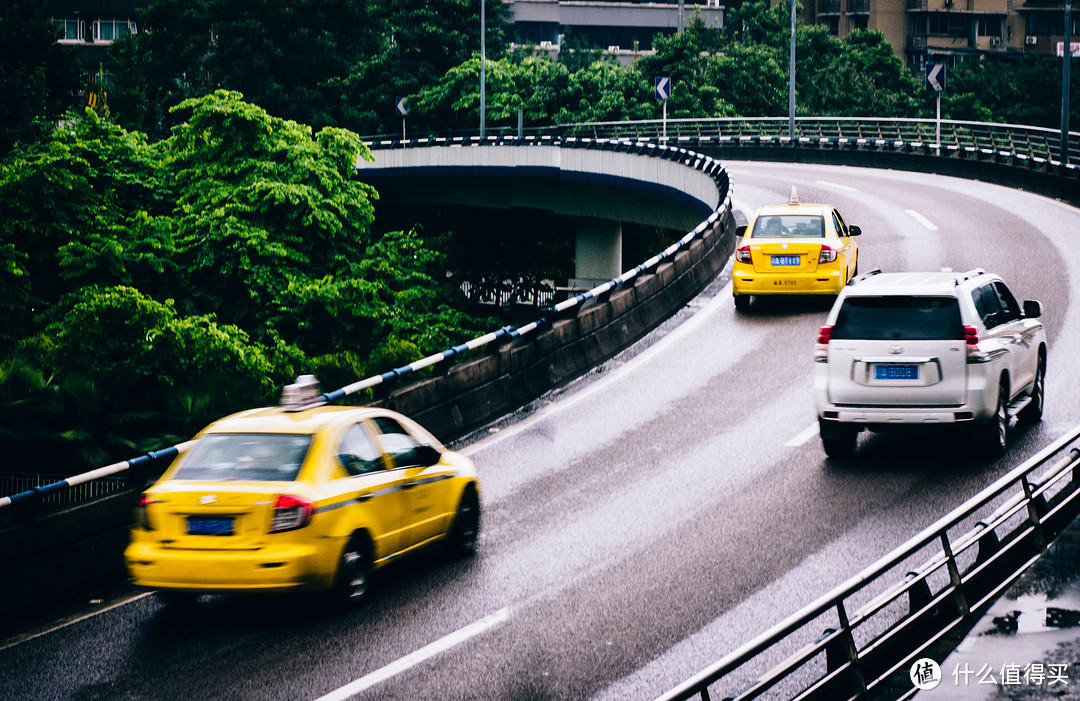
955, 579
848, 638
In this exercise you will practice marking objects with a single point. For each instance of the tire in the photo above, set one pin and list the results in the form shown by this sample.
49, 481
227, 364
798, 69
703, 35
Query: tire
742, 302
461, 541
352, 581
995, 434
842, 444
1032, 413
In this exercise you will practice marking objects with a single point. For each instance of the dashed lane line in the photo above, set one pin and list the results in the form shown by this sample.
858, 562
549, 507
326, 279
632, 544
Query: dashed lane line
411, 660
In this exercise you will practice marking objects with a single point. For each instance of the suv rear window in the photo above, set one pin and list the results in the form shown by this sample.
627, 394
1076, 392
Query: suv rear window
901, 318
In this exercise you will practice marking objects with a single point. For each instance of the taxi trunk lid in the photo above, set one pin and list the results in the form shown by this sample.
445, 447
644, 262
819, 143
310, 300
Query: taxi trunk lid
787, 256
213, 515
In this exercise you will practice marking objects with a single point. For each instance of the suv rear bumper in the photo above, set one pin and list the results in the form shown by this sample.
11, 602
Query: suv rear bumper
980, 406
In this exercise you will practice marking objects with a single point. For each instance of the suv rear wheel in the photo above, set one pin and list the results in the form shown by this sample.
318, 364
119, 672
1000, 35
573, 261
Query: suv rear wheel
1032, 413
995, 433
838, 441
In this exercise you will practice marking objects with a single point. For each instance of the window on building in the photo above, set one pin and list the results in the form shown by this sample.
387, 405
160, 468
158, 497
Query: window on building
112, 29
989, 26
860, 22
948, 24
70, 29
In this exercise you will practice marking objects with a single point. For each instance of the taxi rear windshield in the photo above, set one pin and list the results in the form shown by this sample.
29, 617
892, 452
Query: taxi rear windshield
899, 318
249, 457
789, 226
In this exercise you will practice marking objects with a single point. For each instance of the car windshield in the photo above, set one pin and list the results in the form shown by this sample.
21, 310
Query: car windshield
899, 318
252, 457
789, 226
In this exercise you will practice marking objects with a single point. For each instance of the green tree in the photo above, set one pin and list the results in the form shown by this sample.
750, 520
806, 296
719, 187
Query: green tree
261, 202
88, 207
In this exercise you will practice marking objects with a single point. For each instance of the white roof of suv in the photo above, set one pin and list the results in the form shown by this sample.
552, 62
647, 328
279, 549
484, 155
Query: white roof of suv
944, 282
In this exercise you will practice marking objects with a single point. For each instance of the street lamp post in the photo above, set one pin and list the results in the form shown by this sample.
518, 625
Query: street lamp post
483, 105
791, 80
1066, 59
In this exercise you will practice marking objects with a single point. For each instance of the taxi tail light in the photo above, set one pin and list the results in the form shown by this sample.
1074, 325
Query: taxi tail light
743, 254
142, 515
290, 513
821, 350
828, 255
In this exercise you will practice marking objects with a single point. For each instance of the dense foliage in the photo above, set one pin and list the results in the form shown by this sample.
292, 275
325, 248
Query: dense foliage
155, 286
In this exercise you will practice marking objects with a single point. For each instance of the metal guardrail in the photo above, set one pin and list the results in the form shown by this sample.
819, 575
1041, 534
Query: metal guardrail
1037, 145
1027, 145
860, 640
710, 166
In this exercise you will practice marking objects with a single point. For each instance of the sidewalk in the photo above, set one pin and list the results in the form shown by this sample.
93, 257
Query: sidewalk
1027, 646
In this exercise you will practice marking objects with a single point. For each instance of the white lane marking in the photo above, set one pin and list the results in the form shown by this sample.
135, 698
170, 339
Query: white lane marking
18, 640
836, 186
803, 436
921, 219
412, 659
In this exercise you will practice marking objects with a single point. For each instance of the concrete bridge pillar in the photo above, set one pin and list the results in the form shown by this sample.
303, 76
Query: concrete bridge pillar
597, 252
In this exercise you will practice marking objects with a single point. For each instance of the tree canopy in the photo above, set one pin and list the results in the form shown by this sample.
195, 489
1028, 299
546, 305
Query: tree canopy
219, 262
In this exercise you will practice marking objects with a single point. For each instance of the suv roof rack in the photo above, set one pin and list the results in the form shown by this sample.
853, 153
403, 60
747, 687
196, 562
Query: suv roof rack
860, 278
963, 277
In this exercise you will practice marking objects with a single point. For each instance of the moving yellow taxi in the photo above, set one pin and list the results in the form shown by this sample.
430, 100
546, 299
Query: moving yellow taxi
794, 249
301, 497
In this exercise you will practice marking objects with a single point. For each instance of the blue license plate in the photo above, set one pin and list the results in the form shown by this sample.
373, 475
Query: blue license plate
785, 260
209, 525
897, 371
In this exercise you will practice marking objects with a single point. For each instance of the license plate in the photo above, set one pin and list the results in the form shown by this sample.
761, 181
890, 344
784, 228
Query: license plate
785, 260
896, 372
209, 525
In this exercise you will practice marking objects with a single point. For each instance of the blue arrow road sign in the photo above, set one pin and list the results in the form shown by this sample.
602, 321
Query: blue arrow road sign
935, 77
401, 107
663, 87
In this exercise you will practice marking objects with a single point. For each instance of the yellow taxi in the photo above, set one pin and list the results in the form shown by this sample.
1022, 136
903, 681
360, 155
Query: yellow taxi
794, 249
301, 497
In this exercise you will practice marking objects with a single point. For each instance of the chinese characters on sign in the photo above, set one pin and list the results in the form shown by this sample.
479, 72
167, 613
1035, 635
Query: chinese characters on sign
1033, 674
926, 674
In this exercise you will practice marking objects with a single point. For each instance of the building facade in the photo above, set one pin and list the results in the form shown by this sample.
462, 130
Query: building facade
943, 31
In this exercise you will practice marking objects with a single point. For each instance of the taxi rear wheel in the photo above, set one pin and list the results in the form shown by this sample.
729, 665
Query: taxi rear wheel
354, 572
742, 302
464, 532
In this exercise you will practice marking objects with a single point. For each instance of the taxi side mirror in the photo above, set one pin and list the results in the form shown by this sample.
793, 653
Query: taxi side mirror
426, 455
854, 230
740, 231
1032, 309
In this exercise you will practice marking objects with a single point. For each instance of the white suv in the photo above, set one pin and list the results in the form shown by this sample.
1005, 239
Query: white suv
915, 349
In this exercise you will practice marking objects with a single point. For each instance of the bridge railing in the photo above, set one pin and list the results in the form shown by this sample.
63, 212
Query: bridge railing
1026, 142
860, 640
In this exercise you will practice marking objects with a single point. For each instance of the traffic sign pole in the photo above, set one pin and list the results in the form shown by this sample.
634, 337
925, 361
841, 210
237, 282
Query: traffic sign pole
937, 128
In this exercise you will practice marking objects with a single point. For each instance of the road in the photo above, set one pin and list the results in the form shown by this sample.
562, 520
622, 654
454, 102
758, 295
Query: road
639, 524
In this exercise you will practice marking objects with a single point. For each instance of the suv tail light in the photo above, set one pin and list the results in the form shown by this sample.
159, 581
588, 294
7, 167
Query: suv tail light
971, 341
743, 254
821, 350
828, 255
290, 513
